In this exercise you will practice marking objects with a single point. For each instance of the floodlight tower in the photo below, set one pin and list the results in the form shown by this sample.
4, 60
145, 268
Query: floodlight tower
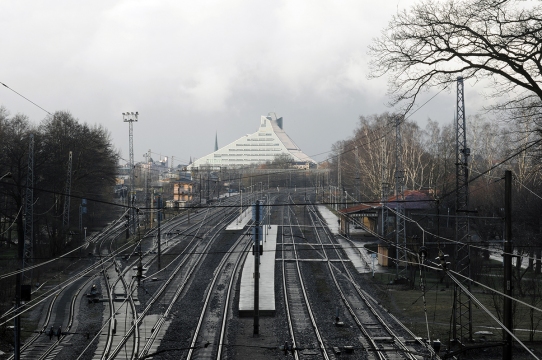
130, 118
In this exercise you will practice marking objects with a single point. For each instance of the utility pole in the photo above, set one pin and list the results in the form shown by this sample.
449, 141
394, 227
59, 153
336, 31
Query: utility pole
159, 203
17, 321
385, 192
66, 215
24, 248
130, 118
208, 184
339, 187
400, 235
152, 208
462, 311
147, 181
508, 289
357, 193
257, 235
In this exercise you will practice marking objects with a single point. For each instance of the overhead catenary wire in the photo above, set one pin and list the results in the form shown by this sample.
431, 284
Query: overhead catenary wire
467, 278
485, 248
481, 305
13, 222
4, 276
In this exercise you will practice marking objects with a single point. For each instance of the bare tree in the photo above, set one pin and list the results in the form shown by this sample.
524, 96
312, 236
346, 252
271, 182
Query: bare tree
434, 42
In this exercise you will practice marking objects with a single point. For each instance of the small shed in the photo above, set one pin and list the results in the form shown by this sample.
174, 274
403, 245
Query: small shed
358, 215
370, 216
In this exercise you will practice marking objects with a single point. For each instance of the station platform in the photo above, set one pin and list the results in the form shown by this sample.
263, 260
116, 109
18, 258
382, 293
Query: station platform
241, 221
360, 257
267, 278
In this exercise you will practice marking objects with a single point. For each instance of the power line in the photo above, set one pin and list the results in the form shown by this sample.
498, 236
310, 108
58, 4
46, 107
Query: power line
27, 99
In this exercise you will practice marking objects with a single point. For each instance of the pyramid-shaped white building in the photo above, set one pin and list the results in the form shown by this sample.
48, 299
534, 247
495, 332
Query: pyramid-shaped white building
264, 145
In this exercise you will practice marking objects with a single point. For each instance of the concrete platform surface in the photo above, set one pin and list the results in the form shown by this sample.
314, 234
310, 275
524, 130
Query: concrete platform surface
267, 278
241, 221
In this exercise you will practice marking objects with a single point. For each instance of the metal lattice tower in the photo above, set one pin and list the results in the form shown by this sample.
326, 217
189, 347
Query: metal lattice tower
385, 194
357, 192
339, 180
400, 235
67, 193
462, 322
147, 180
29, 213
130, 117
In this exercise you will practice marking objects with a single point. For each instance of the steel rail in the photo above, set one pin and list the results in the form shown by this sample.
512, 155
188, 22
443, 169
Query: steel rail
217, 273
70, 321
346, 302
398, 341
139, 319
177, 294
26, 347
286, 302
305, 296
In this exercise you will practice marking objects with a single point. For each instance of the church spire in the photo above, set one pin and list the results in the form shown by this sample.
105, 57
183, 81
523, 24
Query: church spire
216, 141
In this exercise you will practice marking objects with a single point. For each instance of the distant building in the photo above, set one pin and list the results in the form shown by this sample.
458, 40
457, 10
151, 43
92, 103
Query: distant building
183, 193
262, 146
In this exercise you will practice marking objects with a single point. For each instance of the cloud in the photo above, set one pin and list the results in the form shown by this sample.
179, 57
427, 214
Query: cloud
193, 67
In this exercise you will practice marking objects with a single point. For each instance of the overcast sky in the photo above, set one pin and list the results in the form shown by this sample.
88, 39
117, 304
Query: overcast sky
193, 68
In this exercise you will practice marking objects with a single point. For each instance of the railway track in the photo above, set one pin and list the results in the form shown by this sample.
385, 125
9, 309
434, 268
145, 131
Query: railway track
304, 331
379, 339
211, 326
176, 278
134, 329
61, 310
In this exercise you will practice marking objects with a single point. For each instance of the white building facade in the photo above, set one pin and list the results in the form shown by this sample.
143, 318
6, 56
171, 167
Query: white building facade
264, 145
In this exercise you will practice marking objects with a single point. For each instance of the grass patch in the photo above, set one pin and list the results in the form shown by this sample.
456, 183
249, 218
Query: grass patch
407, 304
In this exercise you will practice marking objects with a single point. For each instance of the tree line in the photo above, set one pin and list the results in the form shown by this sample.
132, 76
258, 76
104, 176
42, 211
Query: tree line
93, 171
